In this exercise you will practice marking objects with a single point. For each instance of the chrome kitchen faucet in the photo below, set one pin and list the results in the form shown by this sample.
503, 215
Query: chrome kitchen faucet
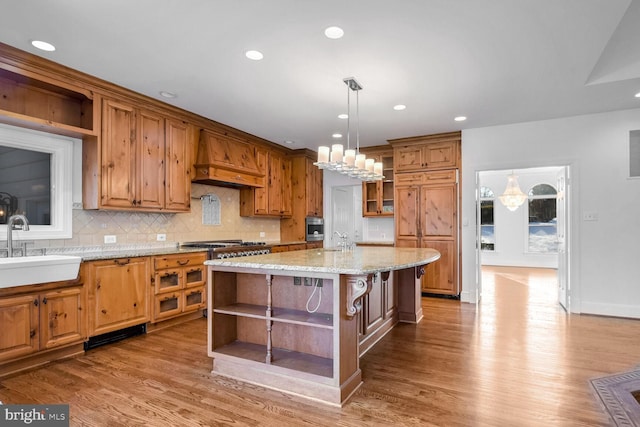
11, 225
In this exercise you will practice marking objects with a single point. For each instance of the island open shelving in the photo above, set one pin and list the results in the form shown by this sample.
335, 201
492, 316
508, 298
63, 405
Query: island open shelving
289, 321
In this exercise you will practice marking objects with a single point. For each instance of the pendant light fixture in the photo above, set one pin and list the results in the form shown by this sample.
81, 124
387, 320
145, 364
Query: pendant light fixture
350, 162
512, 197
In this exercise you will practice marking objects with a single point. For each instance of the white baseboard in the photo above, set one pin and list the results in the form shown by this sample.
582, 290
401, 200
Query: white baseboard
617, 310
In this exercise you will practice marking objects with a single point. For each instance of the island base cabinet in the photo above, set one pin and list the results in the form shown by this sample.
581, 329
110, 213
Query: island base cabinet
275, 331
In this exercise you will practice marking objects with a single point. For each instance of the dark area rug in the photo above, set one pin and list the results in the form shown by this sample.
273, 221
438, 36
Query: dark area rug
620, 396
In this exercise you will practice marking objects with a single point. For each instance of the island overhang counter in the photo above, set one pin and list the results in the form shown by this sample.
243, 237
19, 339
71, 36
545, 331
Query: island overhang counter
299, 321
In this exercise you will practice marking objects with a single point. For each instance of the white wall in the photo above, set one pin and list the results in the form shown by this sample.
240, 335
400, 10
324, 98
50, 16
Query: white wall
511, 228
605, 267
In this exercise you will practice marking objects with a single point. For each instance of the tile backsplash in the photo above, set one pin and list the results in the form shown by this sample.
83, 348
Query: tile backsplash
90, 226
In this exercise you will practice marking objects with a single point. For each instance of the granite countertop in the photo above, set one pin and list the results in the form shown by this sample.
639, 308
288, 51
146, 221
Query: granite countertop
361, 260
94, 253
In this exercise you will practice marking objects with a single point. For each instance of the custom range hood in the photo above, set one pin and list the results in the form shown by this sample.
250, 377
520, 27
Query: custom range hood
226, 160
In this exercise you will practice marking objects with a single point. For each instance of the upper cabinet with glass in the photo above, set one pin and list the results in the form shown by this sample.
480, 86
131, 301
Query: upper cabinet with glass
377, 196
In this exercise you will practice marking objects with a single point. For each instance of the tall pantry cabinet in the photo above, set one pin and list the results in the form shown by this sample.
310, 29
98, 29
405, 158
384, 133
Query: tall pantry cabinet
427, 202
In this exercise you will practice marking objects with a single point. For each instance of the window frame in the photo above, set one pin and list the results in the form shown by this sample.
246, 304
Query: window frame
61, 150
530, 198
493, 199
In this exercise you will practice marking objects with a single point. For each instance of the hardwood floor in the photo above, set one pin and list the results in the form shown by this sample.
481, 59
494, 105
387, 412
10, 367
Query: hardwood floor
514, 360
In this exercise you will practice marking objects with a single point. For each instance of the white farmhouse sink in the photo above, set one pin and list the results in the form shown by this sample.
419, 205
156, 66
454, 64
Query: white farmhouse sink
29, 270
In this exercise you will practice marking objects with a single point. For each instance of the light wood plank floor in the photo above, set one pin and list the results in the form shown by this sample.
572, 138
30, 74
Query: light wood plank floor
515, 360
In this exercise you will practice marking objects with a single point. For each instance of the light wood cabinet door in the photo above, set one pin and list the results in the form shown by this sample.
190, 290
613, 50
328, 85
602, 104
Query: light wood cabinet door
150, 155
314, 182
440, 232
261, 195
274, 199
407, 216
423, 157
19, 320
438, 211
133, 158
118, 155
179, 146
287, 189
119, 294
275, 184
441, 276
62, 317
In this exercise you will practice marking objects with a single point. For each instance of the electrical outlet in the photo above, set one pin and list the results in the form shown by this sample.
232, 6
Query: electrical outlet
109, 238
297, 281
161, 237
310, 281
590, 216
262, 234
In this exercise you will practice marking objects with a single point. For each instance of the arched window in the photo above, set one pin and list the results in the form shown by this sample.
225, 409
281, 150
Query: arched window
487, 226
543, 229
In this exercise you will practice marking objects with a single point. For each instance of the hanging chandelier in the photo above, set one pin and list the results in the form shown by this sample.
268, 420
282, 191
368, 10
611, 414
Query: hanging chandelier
350, 162
512, 197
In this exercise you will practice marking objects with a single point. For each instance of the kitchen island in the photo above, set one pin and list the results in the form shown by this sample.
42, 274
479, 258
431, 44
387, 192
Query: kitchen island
299, 321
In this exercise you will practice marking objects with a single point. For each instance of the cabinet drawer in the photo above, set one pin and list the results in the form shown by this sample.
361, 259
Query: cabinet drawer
194, 298
440, 176
180, 260
168, 280
194, 276
167, 305
408, 178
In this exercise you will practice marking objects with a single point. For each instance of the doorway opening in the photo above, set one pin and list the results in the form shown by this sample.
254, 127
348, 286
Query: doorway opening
523, 245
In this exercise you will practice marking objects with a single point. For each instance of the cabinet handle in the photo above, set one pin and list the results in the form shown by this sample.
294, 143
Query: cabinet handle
32, 333
121, 263
183, 261
104, 311
35, 302
44, 300
167, 298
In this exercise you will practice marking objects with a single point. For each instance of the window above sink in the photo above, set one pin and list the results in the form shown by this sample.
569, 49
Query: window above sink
36, 180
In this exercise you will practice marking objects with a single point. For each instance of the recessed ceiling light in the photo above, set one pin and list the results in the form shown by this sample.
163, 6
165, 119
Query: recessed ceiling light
334, 32
336, 135
399, 107
166, 94
460, 118
343, 116
254, 54
637, 95
288, 142
48, 47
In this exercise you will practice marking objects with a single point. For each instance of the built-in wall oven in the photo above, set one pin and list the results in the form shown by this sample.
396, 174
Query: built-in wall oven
315, 228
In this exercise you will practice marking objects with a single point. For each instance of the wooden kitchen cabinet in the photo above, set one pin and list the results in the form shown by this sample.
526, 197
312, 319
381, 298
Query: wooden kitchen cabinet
41, 320
379, 310
427, 205
274, 199
178, 285
118, 291
307, 190
44, 103
422, 154
132, 157
377, 196
179, 140
145, 160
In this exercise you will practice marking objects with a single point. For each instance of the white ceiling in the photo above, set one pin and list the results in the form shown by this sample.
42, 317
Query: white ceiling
494, 61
